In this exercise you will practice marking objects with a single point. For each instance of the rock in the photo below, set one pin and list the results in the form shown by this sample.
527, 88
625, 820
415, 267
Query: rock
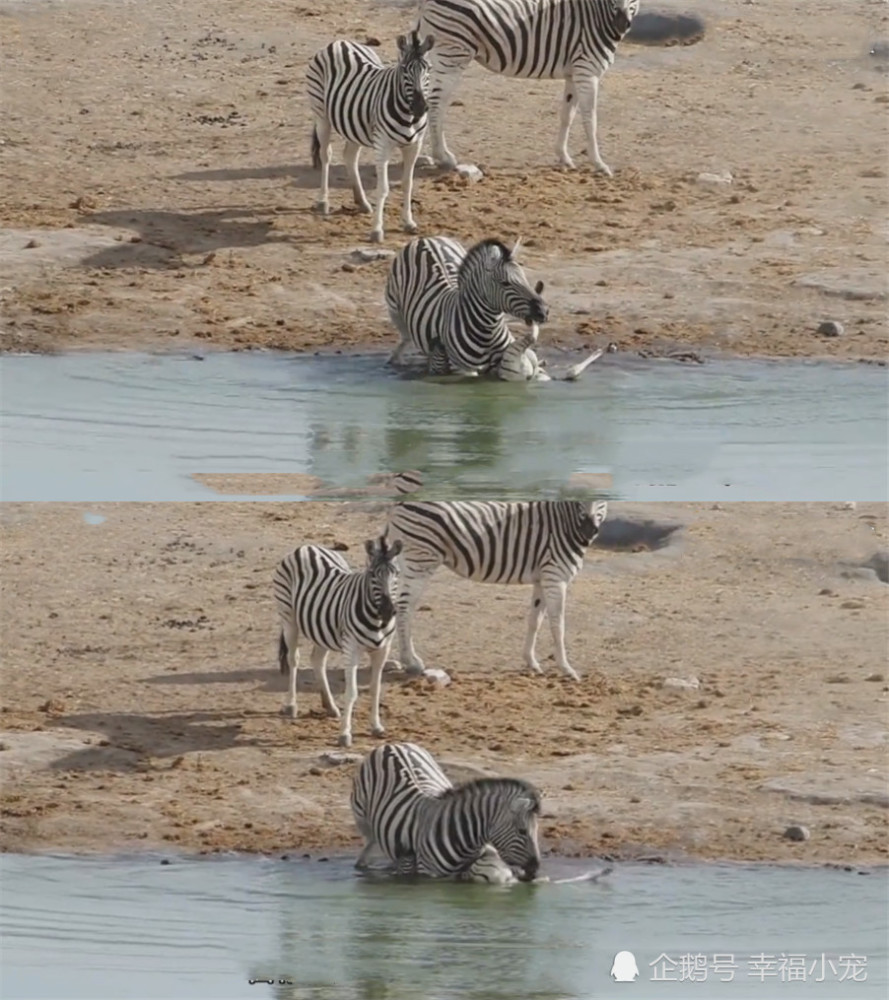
830, 328
362, 256
31, 244
715, 180
439, 678
469, 172
335, 758
848, 505
875, 677
681, 683
797, 832
879, 563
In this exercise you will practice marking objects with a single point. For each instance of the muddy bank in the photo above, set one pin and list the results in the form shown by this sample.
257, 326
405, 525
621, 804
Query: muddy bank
732, 660
166, 201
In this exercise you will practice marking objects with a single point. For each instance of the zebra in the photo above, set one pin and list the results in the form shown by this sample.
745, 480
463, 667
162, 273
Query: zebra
451, 303
353, 94
541, 542
405, 806
318, 595
574, 40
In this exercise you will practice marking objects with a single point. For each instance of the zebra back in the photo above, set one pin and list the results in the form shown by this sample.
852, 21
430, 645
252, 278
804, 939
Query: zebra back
495, 541
530, 38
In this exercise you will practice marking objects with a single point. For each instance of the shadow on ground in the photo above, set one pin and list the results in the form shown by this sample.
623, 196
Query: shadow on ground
658, 28
302, 175
622, 534
275, 682
164, 237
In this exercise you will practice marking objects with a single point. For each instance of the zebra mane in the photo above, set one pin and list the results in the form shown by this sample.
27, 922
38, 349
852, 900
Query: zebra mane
480, 249
517, 786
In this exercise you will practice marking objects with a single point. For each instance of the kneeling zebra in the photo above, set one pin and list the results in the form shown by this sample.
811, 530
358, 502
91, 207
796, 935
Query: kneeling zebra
341, 610
405, 806
541, 542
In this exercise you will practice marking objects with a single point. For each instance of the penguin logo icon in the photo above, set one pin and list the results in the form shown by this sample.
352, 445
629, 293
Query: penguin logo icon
624, 968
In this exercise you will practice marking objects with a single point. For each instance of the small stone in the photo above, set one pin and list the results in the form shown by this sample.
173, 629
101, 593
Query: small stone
31, 244
372, 41
826, 592
165, 861
830, 328
438, 677
348, 267
852, 605
362, 256
715, 180
848, 505
315, 770
797, 833
336, 758
469, 172
875, 677
681, 683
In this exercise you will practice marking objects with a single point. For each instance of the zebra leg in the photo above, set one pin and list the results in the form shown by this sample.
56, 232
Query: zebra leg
405, 342
377, 662
588, 100
383, 150
566, 118
409, 156
352, 653
324, 130
535, 617
555, 591
369, 843
291, 638
443, 83
319, 665
351, 152
414, 581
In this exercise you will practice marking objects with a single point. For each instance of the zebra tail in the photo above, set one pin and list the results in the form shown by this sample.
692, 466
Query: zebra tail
282, 654
316, 148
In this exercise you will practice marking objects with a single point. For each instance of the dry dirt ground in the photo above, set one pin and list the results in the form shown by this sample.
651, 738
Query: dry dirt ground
157, 193
140, 692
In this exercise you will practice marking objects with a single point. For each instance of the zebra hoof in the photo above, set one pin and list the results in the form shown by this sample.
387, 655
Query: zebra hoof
344, 740
425, 161
376, 236
322, 208
603, 168
378, 731
288, 711
411, 228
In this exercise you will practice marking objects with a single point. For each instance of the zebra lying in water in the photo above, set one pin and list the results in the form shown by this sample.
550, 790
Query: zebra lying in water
451, 305
405, 806
541, 542
353, 94
342, 610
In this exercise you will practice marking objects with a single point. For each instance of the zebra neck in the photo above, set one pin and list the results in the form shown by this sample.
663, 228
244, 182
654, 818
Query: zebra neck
476, 321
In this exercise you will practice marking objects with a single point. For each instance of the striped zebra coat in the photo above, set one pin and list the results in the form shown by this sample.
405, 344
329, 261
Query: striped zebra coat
405, 806
338, 609
451, 304
574, 40
353, 94
541, 542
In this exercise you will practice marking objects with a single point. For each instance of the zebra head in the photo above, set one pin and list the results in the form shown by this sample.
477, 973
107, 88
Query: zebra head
491, 272
512, 829
413, 72
382, 575
589, 518
622, 14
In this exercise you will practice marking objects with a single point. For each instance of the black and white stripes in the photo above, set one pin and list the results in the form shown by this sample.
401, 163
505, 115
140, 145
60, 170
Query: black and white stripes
405, 806
354, 95
541, 542
339, 610
451, 304
574, 40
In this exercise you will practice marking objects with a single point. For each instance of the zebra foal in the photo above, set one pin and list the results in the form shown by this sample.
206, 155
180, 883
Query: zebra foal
541, 542
341, 610
574, 40
481, 830
451, 304
353, 94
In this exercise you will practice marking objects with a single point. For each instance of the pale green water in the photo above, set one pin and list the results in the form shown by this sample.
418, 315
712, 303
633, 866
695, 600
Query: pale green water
115, 928
96, 427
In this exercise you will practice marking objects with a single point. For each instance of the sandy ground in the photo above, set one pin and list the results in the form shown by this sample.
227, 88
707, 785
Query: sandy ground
157, 193
140, 691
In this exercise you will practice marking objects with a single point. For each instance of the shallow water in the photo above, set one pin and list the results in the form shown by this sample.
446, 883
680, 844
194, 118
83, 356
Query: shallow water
101, 927
92, 427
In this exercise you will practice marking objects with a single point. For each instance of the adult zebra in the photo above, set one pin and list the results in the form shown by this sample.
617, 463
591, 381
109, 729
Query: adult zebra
574, 40
405, 806
353, 94
342, 610
541, 542
451, 304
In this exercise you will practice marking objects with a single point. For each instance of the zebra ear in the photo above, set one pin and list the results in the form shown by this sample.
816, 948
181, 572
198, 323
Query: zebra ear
428, 42
523, 804
598, 512
370, 547
395, 548
402, 43
538, 288
516, 246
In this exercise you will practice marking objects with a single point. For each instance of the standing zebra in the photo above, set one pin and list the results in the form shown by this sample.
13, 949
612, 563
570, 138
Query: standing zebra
451, 304
574, 40
318, 595
353, 94
405, 806
541, 542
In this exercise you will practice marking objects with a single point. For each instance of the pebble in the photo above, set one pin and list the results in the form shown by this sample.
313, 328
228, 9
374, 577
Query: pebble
363, 256
830, 328
797, 832
875, 677
717, 180
682, 683
338, 757
31, 244
439, 677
